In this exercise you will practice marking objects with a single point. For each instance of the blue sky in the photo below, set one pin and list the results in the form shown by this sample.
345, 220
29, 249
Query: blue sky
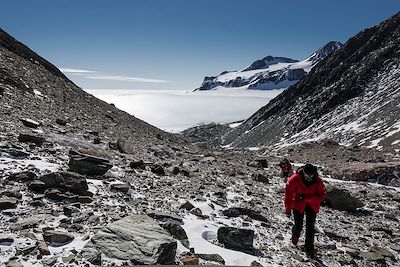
173, 44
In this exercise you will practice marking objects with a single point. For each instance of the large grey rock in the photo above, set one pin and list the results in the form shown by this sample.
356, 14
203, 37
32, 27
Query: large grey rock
342, 200
135, 238
236, 239
87, 164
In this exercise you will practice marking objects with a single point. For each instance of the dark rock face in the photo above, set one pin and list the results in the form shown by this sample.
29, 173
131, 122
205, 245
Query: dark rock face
236, 239
87, 164
338, 91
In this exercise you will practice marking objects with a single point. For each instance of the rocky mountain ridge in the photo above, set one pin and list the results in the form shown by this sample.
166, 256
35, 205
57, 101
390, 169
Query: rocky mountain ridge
351, 96
269, 72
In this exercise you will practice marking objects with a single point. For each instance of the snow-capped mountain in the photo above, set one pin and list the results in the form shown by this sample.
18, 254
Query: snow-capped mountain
351, 96
269, 72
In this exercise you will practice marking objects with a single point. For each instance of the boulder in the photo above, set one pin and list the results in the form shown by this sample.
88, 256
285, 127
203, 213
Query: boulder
87, 164
125, 147
135, 238
187, 206
25, 176
342, 200
157, 169
13, 263
37, 186
121, 187
175, 229
258, 163
236, 239
360, 171
29, 123
30, 138
66, 180
61, 122
12, 193
260, 178
212, 257
189, 259
138, 164
236, 212
57, 238
42, 247
165, 217
6, 240
29, 222
17, 153
8, 203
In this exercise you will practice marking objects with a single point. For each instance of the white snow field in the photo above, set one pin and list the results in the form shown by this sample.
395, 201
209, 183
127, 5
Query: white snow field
177, 110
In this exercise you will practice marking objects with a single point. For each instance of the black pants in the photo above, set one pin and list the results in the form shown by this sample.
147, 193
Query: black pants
310, 224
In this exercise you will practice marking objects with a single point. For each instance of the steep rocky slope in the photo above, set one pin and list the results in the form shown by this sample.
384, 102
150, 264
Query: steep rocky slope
31, 87
351, 96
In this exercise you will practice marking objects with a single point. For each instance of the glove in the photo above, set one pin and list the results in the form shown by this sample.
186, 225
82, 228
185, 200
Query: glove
300, 197
288, 214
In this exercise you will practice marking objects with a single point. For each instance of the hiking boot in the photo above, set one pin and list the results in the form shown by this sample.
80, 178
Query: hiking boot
295, 240
310, 254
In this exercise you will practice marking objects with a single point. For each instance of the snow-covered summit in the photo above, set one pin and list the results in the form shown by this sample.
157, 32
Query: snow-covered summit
270, 72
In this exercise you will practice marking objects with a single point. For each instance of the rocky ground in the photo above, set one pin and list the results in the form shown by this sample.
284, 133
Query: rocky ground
67, 201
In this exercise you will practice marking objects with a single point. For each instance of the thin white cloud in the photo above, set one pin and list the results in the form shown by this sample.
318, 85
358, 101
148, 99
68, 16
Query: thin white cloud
125, 79
72, 71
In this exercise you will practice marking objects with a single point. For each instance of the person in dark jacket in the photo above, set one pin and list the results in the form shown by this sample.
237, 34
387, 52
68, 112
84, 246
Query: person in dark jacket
303, 194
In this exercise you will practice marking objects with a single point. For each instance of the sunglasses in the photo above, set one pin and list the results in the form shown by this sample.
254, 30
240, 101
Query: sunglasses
308, 176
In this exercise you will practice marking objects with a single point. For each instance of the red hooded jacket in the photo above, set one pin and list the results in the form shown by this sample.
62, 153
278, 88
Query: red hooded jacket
298, 194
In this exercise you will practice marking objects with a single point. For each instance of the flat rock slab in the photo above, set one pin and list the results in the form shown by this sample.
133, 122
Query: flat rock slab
135, 238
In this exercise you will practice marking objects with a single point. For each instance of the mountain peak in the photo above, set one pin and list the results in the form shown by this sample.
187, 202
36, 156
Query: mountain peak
324, 51
268, 61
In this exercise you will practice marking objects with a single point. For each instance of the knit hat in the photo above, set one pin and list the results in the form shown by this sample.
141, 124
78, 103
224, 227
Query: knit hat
310, 170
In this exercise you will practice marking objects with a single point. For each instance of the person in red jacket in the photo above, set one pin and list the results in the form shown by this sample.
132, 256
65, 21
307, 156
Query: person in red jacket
303, 194
286, 169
